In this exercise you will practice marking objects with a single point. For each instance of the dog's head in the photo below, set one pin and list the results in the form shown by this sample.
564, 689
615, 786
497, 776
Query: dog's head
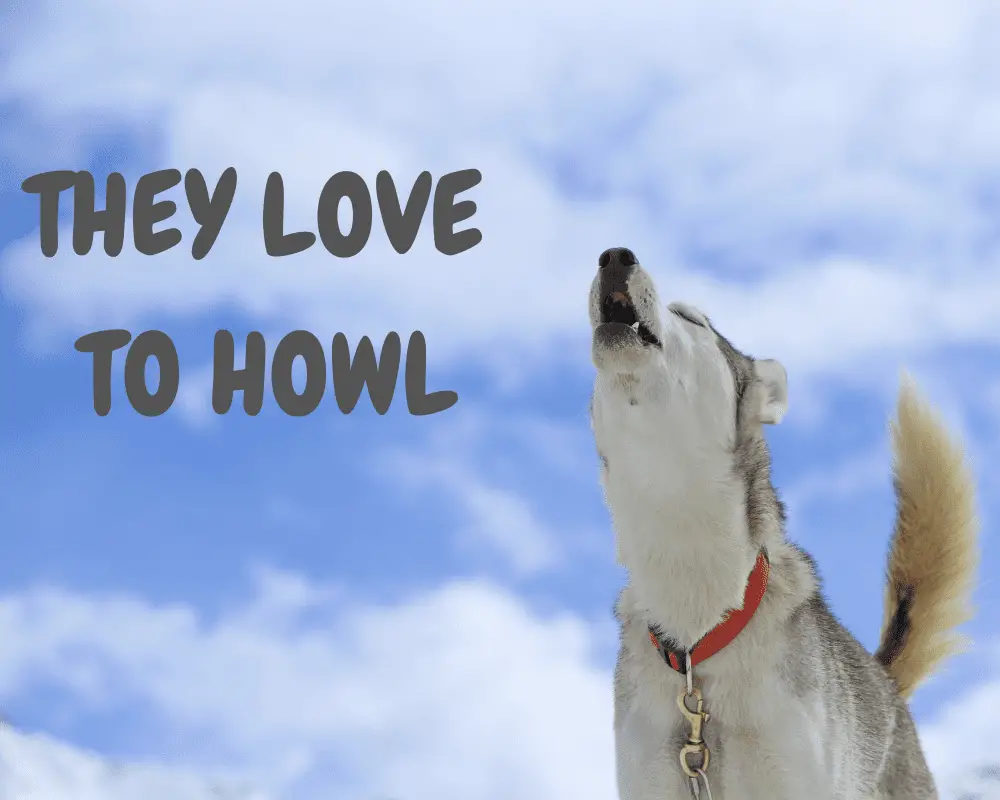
677, 411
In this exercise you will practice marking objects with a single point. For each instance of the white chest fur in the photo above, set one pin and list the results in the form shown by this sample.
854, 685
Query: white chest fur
766, 745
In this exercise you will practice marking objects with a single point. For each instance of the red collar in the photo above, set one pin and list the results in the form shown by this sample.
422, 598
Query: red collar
722, 634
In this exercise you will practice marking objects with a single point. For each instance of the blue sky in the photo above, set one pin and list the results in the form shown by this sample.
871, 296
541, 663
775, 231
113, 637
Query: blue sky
354, 606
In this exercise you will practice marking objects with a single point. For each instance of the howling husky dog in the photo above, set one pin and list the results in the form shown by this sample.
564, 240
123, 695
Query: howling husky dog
734, 679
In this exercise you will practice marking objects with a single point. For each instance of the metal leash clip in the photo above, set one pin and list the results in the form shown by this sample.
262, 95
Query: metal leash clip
695, 745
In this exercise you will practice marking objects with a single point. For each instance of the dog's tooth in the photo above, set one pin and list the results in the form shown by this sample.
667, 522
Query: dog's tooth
635, 327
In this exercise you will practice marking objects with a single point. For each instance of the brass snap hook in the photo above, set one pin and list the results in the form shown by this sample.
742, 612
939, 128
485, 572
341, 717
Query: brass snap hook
695, 744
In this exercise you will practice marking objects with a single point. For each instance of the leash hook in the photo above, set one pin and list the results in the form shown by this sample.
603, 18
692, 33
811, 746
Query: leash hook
695, 745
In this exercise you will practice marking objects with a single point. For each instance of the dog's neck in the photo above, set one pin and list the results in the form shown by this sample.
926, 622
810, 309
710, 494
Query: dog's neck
679, 502
683, 537
686, 568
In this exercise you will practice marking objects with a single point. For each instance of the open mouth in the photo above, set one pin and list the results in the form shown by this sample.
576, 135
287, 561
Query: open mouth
617, 309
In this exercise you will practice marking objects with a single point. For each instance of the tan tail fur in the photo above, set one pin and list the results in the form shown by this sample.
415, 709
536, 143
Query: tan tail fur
933, 555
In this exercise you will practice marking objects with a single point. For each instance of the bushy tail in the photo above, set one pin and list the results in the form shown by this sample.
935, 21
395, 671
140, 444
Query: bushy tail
934, 554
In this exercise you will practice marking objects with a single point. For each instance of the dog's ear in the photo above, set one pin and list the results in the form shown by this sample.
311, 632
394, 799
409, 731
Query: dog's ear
774, 397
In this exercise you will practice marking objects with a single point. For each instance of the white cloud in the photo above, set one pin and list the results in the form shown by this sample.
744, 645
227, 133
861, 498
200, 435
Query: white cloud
845, 479
724, 134
38, 767
712, 133
194, 395
498, 518
509, 477
961, 743
459, 692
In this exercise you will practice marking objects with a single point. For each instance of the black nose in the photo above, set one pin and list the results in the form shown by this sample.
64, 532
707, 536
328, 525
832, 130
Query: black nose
616, 267
617, 256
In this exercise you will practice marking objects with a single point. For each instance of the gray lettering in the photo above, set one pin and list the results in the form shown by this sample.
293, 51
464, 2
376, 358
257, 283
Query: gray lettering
151, 344
353, 187
146, 213
277, 243
401, 226
48, 186
447, 213
87, 220
226, 379
350, 377
418, 401
102, 344
209, 211
294, 345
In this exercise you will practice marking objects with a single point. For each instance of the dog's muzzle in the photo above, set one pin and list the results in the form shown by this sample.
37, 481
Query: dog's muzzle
619, 320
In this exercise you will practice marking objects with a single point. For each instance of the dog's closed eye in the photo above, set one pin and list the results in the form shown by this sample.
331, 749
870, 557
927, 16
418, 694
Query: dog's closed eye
687, 314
